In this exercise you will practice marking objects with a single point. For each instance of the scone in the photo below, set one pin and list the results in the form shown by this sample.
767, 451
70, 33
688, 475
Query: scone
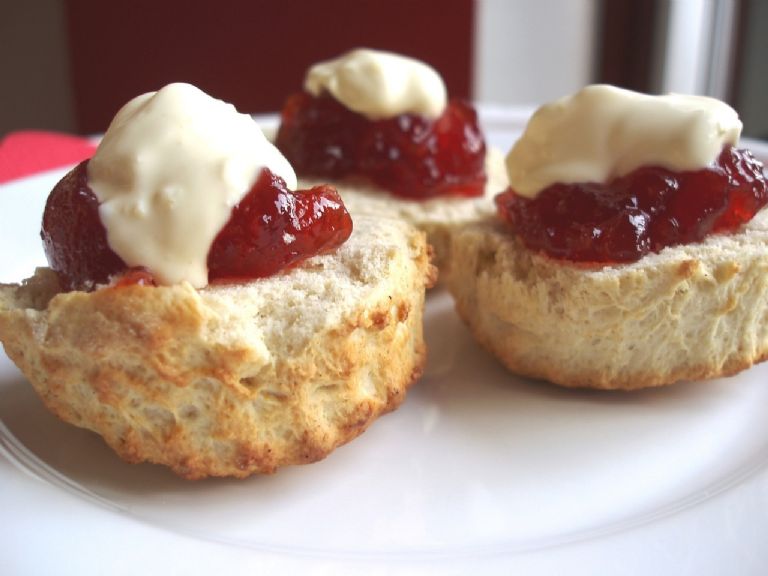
231, 379
614, 262
201, 312
690, 312
380, 127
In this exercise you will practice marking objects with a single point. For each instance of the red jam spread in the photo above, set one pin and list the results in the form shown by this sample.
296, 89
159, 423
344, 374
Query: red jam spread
136, 276
641, 212
409, 155
271, 229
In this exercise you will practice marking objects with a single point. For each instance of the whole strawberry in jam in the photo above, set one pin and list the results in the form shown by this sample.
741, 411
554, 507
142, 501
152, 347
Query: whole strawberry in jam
644, 211
410, 155
74, 239
271, 229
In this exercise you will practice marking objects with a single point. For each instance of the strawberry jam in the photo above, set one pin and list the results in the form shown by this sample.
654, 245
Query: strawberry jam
409, 155
643, 211
271, 229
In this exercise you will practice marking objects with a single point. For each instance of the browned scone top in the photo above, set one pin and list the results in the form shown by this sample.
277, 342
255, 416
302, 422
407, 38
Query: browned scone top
231, 380
690, 312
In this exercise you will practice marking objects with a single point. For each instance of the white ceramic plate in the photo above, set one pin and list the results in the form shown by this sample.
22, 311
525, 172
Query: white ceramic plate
479, 470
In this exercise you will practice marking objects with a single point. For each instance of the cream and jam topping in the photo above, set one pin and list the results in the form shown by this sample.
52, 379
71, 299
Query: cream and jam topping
608, 175
186, 187
603, 132
384, 118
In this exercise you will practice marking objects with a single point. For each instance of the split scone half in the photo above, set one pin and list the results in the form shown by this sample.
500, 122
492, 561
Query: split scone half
689, 312
231, 379
438, 217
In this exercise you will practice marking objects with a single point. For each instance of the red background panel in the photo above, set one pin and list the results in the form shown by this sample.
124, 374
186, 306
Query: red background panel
250, 53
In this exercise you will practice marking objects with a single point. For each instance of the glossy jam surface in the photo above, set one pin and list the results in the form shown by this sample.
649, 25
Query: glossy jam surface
273, 228
409, 155
644, 211
270, 230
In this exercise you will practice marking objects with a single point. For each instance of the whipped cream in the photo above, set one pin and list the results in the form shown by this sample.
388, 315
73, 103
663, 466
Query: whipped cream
603, 132
169, 171
379, 84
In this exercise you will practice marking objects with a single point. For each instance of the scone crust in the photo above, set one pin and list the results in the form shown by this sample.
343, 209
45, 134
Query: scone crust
231, 380
690, 312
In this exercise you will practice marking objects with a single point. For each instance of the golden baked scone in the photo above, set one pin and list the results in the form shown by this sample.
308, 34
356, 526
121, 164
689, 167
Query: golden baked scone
689, 312
231, 380
436, 216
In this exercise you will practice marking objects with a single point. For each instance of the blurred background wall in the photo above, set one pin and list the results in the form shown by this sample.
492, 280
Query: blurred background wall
35, 86
528, 52
69, 64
